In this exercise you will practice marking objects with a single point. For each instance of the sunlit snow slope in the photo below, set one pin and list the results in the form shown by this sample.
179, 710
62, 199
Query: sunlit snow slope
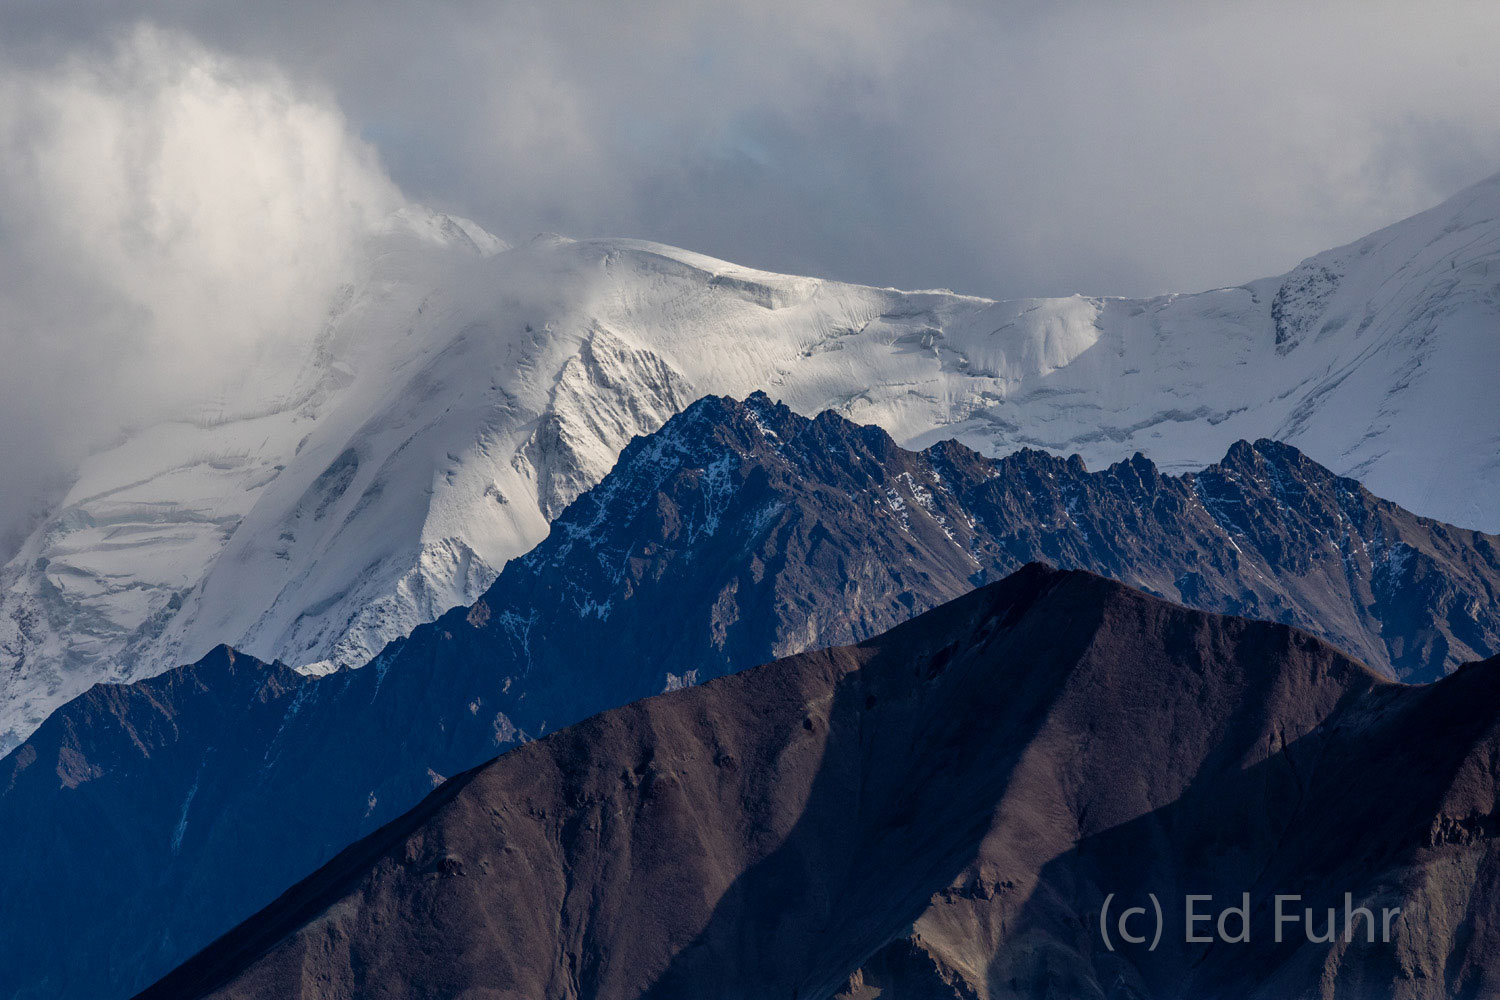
464, 393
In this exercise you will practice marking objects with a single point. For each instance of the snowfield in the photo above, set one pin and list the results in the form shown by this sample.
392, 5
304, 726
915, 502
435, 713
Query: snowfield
463, 393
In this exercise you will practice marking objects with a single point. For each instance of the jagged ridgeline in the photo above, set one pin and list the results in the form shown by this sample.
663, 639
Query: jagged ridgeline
737, 533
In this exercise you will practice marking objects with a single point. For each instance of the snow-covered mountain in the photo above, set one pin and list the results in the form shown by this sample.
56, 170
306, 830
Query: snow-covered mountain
463, 393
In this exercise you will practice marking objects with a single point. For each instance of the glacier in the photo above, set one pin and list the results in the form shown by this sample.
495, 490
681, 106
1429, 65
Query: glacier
462, 392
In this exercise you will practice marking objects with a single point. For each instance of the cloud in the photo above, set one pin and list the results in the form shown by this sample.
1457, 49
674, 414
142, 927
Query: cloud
997, 148
167, 215
1013, 148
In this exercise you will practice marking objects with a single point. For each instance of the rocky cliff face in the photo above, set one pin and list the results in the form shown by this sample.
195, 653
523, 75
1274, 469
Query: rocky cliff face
737, 533
942, 811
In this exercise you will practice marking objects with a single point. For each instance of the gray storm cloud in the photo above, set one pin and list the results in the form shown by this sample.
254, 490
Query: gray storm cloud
167, 216
1005, 148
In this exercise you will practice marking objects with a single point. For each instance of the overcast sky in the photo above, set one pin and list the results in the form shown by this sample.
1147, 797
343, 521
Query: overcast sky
998, 149
174, 167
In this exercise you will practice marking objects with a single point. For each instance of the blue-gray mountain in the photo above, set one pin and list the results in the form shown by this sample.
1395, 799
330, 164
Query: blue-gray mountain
145, 820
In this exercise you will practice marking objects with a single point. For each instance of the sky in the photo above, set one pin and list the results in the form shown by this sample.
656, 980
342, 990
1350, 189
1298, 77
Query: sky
181, 179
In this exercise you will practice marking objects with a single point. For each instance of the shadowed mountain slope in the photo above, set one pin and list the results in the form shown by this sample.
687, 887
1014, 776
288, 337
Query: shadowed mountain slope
937, 812
738, 533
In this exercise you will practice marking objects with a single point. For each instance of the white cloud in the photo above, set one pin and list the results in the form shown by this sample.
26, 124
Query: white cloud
166, 215
998, 148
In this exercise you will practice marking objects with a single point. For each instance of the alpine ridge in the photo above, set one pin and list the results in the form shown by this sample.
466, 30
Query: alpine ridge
737, 533
463, 393
938, 812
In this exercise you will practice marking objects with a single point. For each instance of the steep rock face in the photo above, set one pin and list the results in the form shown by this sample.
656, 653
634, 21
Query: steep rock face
938, 812
737, 533
459, 374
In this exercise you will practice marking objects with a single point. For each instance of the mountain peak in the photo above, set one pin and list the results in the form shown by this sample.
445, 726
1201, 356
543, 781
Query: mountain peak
912, 811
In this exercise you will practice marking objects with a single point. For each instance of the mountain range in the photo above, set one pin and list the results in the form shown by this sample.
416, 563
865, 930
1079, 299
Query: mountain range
145, 819
463, 392
941, 812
